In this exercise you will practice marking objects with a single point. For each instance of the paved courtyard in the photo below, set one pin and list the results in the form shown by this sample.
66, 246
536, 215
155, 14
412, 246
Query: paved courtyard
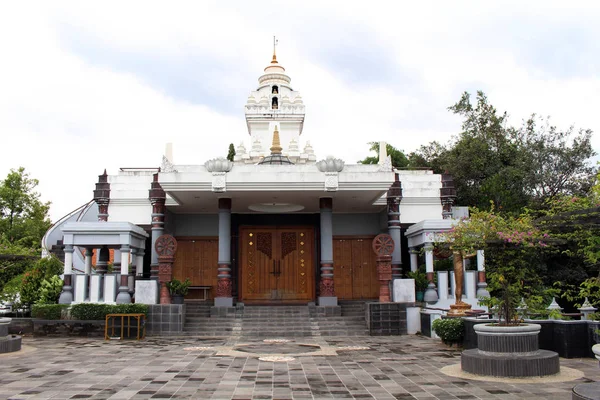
405, 367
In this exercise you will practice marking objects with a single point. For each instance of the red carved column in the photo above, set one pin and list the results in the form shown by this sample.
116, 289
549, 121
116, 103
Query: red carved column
102, 196
157, 198
383, 246
447, 195
394, 197
166, 247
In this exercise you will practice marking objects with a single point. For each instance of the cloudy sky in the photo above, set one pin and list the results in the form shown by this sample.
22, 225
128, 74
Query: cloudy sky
91, 85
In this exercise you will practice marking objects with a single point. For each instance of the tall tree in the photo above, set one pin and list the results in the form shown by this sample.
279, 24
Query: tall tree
514, 167
231, 152
399, 160
23, 216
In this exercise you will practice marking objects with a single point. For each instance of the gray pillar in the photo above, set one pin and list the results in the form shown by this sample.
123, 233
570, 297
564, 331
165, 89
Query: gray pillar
224, 297
327, 295
414, 259
88, 272
66, 296
124, 297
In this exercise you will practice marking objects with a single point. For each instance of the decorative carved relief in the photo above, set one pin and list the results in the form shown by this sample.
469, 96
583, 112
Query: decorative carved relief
383, 245
219, 182
166, 165
224, 288
166, 245
288, 243
218, 165
326, 288
264, 243
331, 164
331, 181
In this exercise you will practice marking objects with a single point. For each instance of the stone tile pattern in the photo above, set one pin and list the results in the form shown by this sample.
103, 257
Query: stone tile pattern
165, 319
386, 319
84, 368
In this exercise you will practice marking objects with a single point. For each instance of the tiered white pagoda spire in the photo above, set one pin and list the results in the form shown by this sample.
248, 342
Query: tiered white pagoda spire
274, 104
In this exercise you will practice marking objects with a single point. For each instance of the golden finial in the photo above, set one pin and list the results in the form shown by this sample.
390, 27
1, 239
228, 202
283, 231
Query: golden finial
276, 146
274, 60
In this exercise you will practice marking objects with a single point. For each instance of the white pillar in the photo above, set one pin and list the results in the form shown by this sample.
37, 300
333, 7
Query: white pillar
124, 297
431, 295
139, 262
414, 259
481, 283
66, 296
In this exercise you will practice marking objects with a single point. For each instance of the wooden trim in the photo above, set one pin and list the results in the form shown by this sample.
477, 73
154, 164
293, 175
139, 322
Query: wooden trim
185, 238
349, 237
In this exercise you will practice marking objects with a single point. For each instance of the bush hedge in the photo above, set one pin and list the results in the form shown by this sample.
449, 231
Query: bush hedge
48, 311
91, 311
450, 330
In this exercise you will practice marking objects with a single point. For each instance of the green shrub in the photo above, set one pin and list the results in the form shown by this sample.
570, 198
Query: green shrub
93, 311
12, 266
50, 290
44, 268
450, 330
48, 311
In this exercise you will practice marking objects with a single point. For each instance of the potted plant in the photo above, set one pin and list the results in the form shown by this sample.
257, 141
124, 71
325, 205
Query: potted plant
509, 347
178, 289
421, 283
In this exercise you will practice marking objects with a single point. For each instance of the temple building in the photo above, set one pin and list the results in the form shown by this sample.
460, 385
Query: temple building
278, 224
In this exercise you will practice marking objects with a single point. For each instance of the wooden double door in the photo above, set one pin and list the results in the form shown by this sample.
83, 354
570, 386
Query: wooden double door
277, 264
355, 270
197, 259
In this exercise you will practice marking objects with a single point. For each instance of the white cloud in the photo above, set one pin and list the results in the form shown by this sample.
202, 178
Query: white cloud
66, 117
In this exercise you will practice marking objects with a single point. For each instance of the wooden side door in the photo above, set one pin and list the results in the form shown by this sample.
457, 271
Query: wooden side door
342, 264
364, 275
196, 259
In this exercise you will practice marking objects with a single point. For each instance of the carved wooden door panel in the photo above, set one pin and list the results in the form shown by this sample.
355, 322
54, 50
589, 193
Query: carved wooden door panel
276, 264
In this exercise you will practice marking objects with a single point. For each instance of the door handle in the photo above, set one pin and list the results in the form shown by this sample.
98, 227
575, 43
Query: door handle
278, 267
273, 269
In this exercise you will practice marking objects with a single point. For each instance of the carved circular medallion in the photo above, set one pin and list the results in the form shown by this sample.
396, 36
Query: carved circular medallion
166, 245
383, 245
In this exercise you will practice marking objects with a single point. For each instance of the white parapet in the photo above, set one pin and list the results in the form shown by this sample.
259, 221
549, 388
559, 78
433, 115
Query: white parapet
80, 288
110, 288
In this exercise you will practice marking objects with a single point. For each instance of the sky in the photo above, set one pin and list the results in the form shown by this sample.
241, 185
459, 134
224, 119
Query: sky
86, 86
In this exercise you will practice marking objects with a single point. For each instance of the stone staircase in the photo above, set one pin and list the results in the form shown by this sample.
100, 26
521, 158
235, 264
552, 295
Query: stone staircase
276, 321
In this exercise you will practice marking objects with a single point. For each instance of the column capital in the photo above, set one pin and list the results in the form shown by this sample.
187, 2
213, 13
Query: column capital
224, 203
69, 248
326, 202
125, 248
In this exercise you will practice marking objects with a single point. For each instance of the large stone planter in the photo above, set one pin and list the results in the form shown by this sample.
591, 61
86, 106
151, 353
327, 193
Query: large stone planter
8, 343
509, 351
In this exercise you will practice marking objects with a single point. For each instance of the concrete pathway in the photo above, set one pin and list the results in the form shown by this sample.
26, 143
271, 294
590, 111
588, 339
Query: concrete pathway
401, 367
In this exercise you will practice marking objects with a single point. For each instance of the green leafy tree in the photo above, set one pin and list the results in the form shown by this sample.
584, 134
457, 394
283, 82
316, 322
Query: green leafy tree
399, 160
231, 152
23, 216
513, 167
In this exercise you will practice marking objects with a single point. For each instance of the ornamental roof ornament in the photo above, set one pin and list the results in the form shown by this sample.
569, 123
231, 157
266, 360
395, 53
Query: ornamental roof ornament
218, 165
331, 164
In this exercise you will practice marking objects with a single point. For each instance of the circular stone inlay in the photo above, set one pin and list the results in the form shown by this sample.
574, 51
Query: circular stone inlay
352, 348
276, 340
276, 358
281, 348
198, 348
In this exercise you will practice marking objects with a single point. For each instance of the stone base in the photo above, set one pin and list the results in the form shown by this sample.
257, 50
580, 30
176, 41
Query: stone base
538, 363
165, 319
223, 301
328, 301
10, 344
459, 310
146, 292
586, 391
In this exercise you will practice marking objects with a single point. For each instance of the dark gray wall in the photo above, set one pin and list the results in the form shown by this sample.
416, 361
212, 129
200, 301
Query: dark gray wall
357, 224
195, 224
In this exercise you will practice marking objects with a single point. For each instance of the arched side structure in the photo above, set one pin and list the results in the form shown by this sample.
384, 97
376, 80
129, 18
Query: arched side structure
124, 236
